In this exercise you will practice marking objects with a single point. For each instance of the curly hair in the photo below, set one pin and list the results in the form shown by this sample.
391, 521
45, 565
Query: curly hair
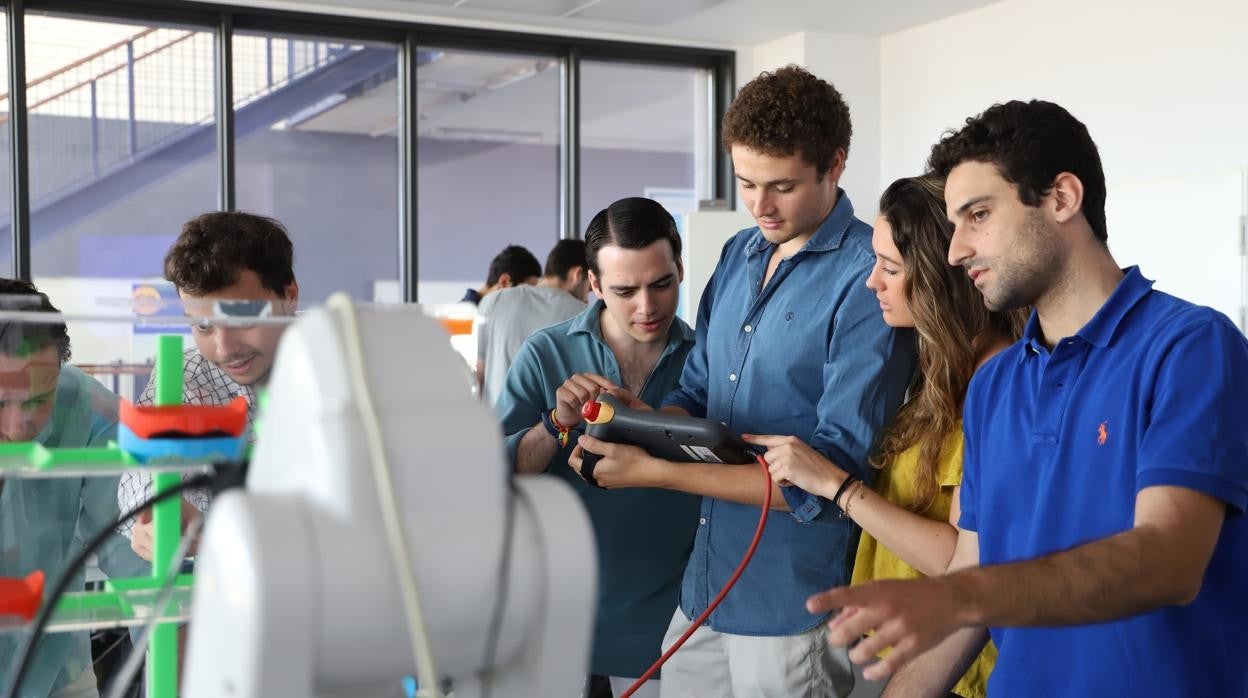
949, 316
214, 248
790, 111
1030, 143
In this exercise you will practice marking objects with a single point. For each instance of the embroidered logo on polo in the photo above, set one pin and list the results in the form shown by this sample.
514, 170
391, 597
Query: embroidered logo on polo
1102, 433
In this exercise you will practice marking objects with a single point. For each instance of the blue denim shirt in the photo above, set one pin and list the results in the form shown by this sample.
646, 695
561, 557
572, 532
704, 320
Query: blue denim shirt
810, 356
43, 523
643, 535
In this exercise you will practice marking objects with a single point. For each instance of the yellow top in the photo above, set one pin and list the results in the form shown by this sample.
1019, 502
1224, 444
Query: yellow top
874, 561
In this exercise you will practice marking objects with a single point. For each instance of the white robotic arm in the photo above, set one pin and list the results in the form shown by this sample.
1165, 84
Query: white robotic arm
296, 591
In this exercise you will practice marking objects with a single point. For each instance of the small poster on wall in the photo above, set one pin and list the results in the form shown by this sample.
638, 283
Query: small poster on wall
157, 299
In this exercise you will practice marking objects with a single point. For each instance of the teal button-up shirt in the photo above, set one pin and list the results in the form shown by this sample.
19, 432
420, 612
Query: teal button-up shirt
44, 523
644, 535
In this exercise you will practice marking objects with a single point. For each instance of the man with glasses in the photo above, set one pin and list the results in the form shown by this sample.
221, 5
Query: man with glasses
226, 265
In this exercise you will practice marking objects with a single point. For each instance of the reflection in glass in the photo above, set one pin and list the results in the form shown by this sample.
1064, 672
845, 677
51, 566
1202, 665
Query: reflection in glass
645, 131
488, 164
317, 148
122, 147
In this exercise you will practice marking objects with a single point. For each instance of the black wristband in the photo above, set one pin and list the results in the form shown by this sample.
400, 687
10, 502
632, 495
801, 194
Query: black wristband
588, 462
836, 498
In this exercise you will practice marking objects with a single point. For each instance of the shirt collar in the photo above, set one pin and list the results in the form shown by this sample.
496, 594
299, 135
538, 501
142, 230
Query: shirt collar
1101, 328
829, 235
588, 322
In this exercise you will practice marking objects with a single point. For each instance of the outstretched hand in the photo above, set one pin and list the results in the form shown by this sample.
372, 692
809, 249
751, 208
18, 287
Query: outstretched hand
910, 616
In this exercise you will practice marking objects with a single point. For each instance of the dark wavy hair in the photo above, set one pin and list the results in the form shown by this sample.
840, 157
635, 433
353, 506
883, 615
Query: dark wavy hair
790, 111
633, 223
1030, 143
214, 249
22, 339
949, 316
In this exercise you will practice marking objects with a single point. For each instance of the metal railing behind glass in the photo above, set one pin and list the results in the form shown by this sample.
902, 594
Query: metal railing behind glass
123, 102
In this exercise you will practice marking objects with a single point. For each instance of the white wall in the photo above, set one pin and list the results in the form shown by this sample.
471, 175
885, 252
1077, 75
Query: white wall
852, 64
1159, 85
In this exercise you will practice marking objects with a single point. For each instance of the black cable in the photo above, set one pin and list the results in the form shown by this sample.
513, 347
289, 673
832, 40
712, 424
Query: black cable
104, 655
80, 560
500, 601
131, 668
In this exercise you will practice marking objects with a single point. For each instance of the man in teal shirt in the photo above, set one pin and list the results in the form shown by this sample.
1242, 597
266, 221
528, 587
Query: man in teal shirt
630, 339
44, 522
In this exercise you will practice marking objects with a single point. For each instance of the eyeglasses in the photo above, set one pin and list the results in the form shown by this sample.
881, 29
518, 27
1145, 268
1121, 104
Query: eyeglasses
223, 311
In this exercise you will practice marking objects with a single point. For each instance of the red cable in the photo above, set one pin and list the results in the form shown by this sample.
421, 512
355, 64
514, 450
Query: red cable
697, 623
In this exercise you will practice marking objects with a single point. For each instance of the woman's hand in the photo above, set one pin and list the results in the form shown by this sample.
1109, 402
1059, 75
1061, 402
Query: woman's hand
792, 462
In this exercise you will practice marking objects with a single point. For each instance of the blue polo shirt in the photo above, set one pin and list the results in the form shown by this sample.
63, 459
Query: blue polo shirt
808, 356
643, 535
1058, 442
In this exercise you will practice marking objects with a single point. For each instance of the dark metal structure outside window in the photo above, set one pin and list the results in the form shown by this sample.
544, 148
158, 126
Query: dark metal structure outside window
157, 86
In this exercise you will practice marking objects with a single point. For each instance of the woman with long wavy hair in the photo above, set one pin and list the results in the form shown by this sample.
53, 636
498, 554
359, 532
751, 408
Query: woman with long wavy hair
909, 518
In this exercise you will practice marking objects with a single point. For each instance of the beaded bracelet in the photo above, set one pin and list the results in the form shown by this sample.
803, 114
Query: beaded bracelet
557, 430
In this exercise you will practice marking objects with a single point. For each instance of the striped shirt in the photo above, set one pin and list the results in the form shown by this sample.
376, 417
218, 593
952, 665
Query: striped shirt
203, 383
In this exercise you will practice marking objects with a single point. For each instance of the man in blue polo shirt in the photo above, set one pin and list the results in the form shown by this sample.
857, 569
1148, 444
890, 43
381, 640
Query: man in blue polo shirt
1106, 468
790, 341
629, 339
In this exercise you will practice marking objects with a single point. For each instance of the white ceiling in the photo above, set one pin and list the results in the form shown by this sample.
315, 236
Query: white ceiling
719, 22
512, 98
515, 99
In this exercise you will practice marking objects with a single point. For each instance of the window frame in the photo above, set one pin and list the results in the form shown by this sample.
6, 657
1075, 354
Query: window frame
225, 20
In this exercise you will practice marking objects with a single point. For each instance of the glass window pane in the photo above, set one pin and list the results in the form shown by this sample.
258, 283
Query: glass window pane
6, 191
488, 164
645, 131
122, 147
316, 147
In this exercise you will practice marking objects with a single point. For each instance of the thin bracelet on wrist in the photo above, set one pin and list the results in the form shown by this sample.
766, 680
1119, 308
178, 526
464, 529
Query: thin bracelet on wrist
845, 484
849, 502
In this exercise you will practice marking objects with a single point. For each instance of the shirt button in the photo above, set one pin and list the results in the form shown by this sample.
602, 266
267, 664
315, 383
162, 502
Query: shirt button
748, 328
732, 377
702, 521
